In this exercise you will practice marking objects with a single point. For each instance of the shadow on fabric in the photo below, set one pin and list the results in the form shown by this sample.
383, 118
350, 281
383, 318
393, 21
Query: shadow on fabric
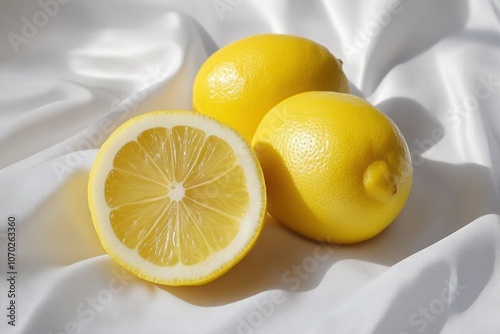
453, 295
60, 229
280, 260
445, 197
415, 29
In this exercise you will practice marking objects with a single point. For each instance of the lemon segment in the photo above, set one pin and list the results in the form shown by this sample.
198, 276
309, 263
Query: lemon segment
176, 197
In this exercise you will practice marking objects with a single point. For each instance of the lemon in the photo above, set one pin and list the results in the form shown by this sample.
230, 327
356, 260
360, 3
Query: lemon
240, 82
336, 168
176, 198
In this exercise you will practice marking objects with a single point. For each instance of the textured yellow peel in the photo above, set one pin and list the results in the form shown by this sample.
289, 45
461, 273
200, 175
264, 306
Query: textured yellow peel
240, 82
336, 168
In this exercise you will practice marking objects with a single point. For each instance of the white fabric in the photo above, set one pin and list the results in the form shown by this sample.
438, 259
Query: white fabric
72, 71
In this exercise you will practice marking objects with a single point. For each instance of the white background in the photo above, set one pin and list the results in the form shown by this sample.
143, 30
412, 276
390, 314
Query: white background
72, 71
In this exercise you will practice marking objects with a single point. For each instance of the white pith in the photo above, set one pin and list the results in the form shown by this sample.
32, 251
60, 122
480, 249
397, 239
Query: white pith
250, 225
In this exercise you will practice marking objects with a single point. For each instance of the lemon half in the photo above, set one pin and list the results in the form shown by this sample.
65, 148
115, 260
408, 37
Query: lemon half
176, 197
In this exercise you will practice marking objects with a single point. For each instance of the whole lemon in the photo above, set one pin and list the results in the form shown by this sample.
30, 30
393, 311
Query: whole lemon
336, 168
240, 82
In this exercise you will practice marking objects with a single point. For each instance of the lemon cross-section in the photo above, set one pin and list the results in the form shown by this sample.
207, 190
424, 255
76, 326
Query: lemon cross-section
188, 199
176, 203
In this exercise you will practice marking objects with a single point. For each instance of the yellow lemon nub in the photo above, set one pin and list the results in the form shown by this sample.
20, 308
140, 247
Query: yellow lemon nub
176, 197
379, 182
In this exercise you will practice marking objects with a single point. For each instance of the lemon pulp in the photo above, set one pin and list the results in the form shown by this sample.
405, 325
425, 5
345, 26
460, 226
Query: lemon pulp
182, 207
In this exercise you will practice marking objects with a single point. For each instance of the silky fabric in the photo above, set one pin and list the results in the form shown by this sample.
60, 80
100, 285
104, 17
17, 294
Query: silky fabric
72, 71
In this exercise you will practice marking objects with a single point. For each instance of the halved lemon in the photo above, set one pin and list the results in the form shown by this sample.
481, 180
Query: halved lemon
176, 197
